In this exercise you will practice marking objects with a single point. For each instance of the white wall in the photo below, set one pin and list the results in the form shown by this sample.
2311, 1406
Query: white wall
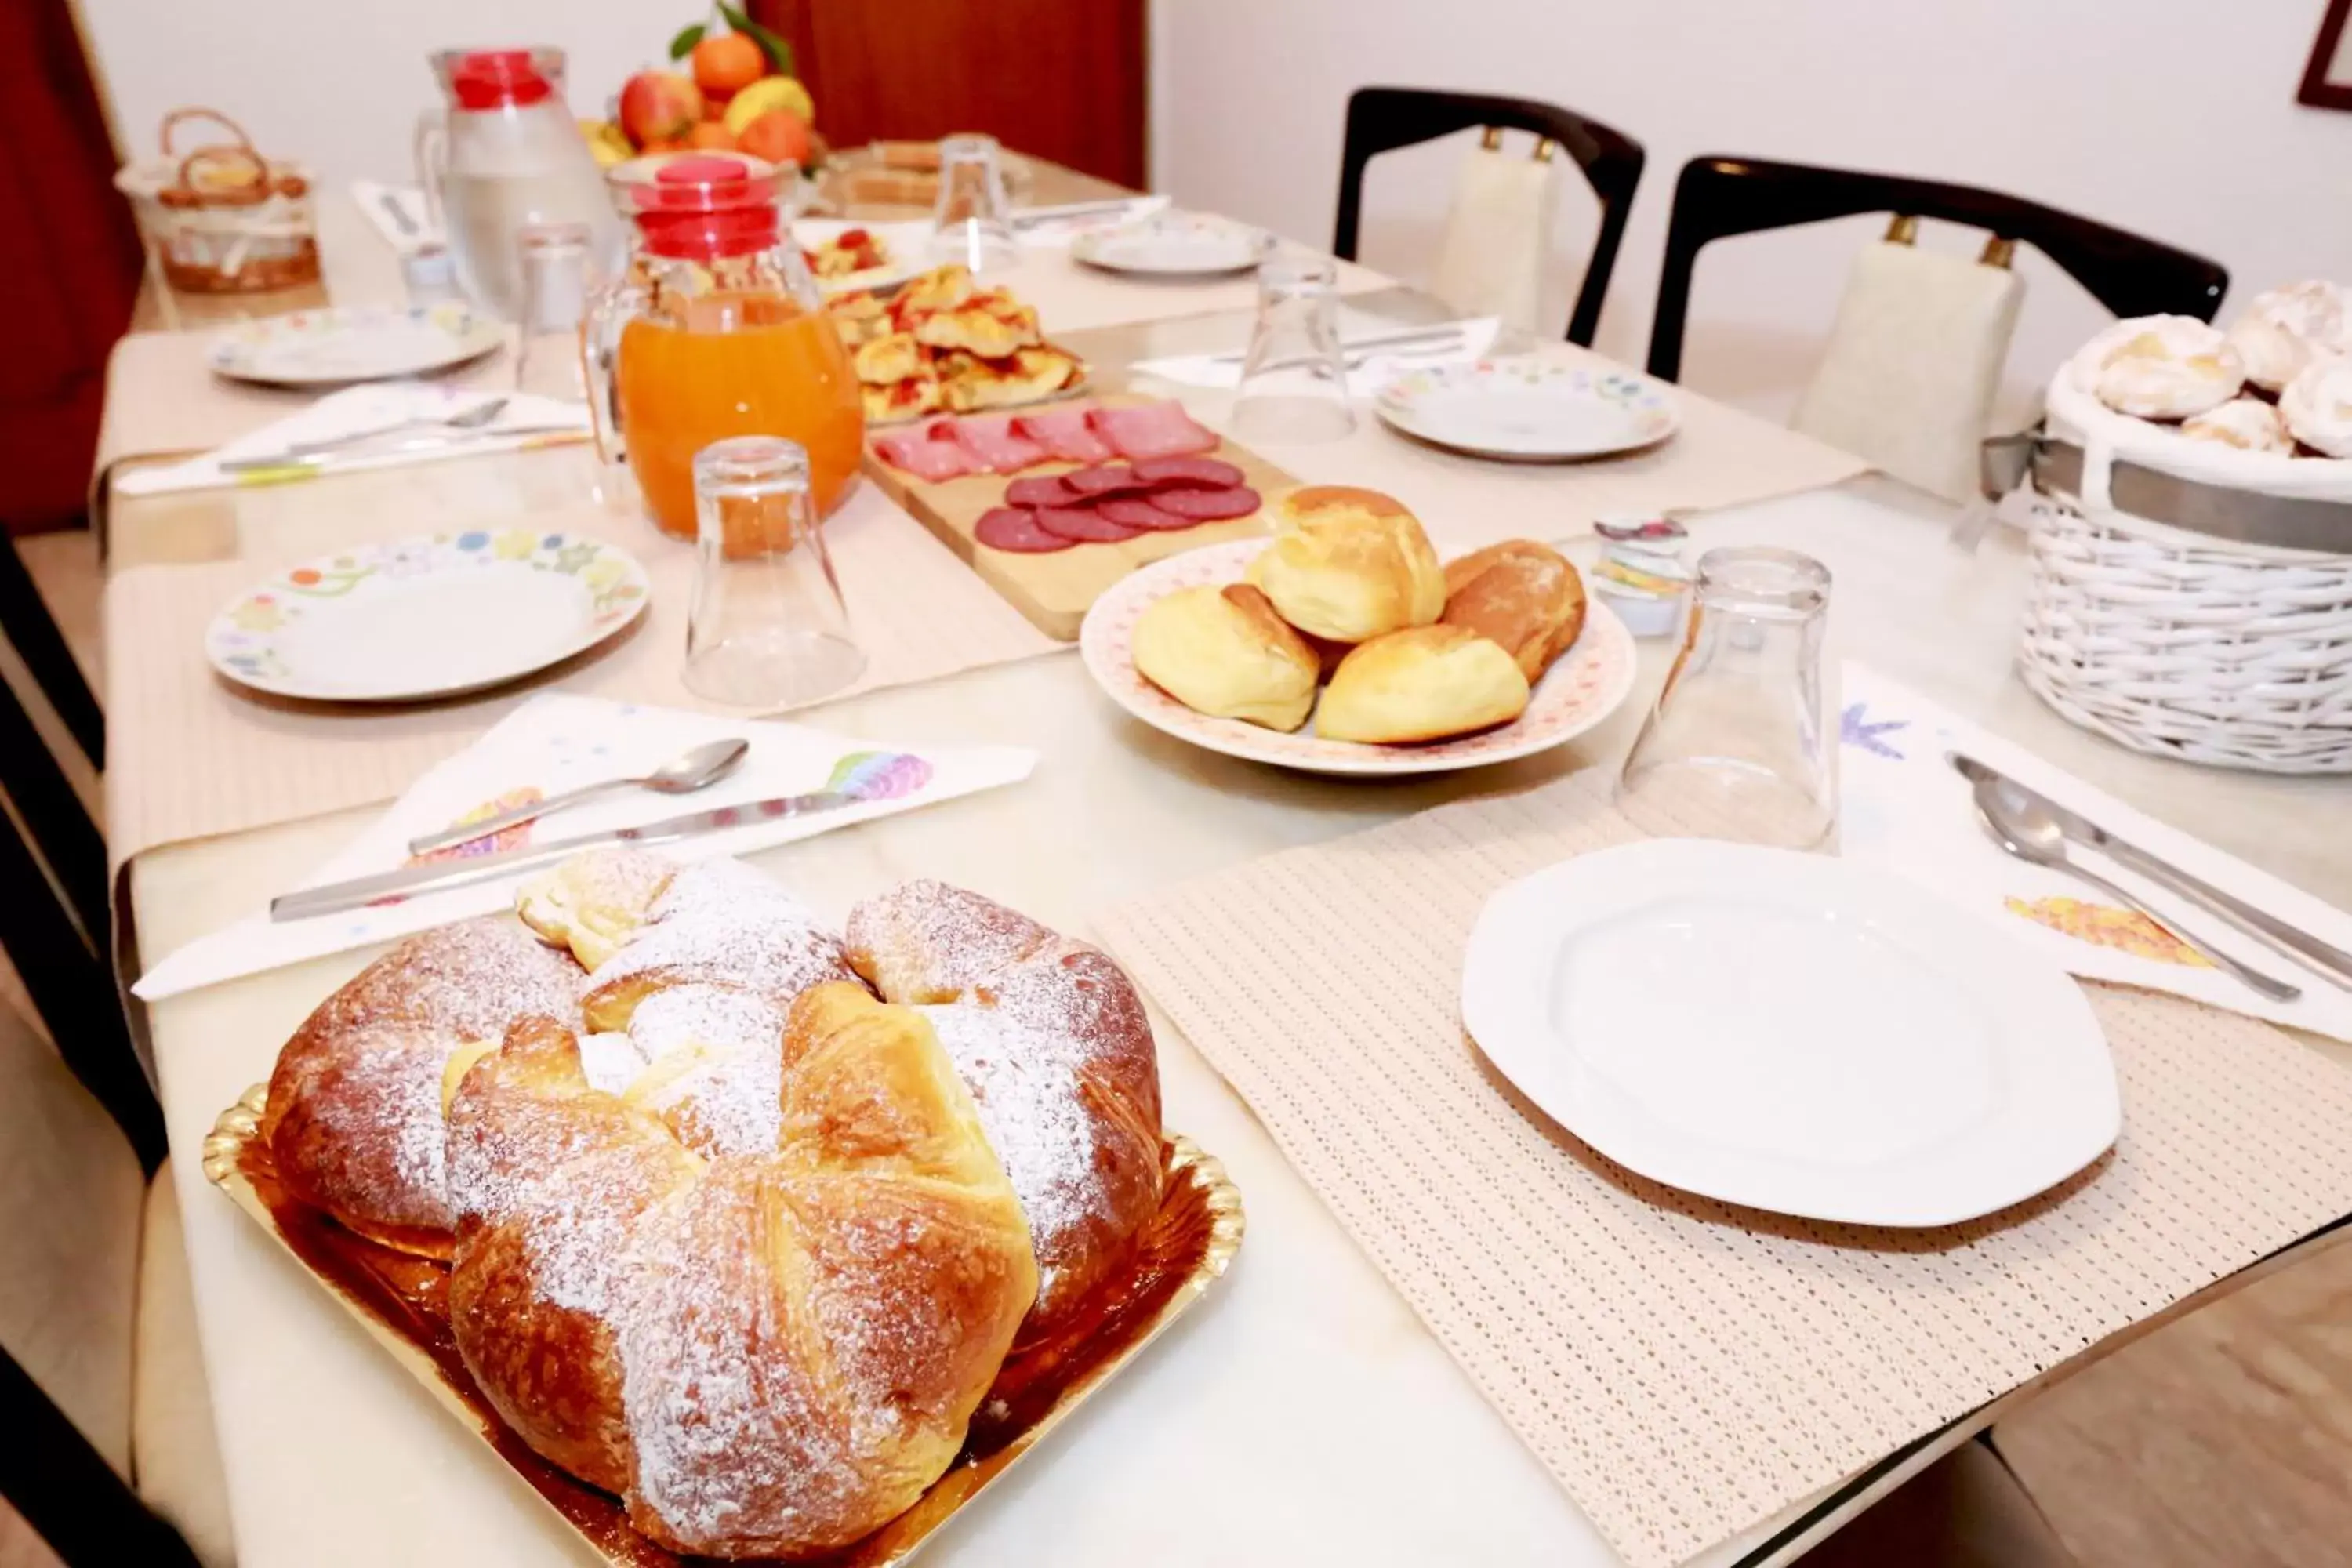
338, 83
2176, 118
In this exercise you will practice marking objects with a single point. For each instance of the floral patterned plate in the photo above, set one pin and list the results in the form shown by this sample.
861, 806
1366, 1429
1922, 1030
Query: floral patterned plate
1174, 245
424, 617
368, 342
1529, 410
1583, 686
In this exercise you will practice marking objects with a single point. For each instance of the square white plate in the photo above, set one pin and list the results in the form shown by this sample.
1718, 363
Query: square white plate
1787, 1031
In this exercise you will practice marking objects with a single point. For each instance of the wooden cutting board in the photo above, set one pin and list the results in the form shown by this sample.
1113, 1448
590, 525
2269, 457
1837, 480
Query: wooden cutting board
1053, 591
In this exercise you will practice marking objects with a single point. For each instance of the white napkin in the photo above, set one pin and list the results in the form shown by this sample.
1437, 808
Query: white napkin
1225, 371
1902, 806
539, 421
558, 742
400, 214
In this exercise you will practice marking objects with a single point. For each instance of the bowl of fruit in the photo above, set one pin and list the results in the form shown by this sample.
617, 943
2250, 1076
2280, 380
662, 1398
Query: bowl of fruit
730, 88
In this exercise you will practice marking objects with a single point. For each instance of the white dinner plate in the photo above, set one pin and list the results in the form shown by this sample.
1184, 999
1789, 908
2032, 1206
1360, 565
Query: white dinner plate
1174, 245
1583, 686
1792, 1032
367, 342
428, 617
1528, 411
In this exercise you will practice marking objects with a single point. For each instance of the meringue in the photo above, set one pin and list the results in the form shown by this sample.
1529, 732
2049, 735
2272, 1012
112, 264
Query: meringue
2317, 406
2246, 422
2163, 367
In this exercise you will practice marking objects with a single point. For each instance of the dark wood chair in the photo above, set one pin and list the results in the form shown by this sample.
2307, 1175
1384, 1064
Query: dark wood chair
1382, 119
1717, 197
26, 621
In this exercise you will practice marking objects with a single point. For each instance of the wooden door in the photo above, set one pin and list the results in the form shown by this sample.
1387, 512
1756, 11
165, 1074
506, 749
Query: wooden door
1063, 80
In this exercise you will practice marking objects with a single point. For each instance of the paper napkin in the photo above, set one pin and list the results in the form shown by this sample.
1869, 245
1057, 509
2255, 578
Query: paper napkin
1376, 367
556, 742
1902, 806
527, 422
399, 213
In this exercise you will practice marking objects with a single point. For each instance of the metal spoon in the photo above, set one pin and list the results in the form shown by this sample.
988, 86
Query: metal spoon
683, 774
473, 418
2030, 832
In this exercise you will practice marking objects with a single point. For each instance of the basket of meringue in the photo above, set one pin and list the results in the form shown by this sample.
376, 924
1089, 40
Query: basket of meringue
2190, 535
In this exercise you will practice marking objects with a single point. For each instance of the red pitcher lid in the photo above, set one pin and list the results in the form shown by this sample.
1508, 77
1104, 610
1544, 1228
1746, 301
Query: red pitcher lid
705, 205
497, 78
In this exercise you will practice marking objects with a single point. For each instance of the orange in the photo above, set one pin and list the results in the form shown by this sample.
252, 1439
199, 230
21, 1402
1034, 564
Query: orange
779, 136
713, 136
724, 62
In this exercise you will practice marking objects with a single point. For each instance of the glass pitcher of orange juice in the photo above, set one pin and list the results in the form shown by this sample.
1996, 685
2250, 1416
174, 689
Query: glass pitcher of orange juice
717, 331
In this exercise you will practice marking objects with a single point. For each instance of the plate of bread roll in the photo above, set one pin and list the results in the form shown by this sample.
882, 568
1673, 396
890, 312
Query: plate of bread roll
1343, 645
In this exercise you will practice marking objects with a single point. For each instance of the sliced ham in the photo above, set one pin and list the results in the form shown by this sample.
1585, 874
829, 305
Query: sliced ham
1046, 490
995, 444
1015, 529
1065, 432
1082, 525
926, 454
1137, 511
1161, 429
1104, 479
1196, 473
1207, 506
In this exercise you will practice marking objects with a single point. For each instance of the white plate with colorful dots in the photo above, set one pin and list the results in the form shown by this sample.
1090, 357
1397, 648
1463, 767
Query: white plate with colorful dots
432, 616
1529, 410
337, 346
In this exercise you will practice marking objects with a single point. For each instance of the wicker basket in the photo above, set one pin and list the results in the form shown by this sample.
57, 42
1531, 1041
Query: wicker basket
2182, 642
222, 218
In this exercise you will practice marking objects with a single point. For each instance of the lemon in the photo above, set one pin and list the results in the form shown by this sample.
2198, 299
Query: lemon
764, 96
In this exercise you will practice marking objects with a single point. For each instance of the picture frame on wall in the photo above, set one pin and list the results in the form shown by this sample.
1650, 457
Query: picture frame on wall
2327, 80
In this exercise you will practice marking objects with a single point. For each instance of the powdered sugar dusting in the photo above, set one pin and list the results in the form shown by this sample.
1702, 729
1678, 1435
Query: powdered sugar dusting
721, 921
927, 942
729, 1101
611, 1062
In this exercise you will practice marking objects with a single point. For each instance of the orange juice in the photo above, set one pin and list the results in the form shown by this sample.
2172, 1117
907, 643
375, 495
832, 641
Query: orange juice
725, 365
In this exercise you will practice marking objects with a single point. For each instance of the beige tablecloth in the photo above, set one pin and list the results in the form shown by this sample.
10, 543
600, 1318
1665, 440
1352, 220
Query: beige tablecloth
193, 754
1689, 1368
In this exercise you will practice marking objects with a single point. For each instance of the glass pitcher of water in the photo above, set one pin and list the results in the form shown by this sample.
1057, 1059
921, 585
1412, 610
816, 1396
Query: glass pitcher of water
504, 152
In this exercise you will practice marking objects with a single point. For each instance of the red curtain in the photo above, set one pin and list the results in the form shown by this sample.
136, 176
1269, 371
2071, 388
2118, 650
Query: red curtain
69, 265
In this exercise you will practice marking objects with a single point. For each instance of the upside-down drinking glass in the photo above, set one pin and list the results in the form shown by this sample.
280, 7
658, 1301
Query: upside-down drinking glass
556, 281
1736, 747
1294, 383
973, 221
767, 627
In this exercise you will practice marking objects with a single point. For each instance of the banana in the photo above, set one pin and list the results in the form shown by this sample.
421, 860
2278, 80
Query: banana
765, 96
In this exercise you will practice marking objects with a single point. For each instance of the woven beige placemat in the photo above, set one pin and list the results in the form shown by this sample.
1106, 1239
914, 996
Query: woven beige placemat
1686, 1368
190, 754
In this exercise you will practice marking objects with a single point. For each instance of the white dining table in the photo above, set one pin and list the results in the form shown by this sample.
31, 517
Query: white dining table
1300, 1413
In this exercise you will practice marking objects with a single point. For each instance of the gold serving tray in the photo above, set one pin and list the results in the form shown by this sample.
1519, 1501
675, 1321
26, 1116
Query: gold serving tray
400, 1299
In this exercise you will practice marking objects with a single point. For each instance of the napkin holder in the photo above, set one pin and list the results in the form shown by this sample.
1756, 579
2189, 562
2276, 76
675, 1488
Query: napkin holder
1497, 237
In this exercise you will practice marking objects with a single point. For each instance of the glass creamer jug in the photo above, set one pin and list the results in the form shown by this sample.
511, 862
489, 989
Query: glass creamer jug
719, 331
503, 153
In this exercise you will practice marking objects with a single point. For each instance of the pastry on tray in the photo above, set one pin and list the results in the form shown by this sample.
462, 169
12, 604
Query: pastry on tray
742, 1219
943, 341
1349, 564
1223, 651
1424, 683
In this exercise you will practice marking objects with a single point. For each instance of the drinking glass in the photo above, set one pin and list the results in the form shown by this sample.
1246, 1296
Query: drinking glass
1736, 746
1294, 383
973, 224
767, 627
555, 286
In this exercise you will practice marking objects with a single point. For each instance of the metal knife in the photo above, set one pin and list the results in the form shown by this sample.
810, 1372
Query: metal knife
2288, 941
1031, 216
436, 876
316, 461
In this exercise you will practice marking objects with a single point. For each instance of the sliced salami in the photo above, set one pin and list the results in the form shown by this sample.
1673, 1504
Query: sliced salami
995, 444
1045, 491
1104, 479
1197, 473
1160, 429
1065, 434
1015, 529
1207, 506
1082, 525
1137, 511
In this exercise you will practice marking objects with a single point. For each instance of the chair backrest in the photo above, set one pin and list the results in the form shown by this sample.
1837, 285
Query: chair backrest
32, 630
1718, 196
1382, 119
54, 928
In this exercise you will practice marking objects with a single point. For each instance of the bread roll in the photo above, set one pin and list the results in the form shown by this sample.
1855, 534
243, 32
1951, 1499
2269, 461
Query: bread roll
1349, 565
1225, 652
1421, 684
1522, 595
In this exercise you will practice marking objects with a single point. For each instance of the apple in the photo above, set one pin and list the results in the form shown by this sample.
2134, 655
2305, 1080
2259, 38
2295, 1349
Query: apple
659, 106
